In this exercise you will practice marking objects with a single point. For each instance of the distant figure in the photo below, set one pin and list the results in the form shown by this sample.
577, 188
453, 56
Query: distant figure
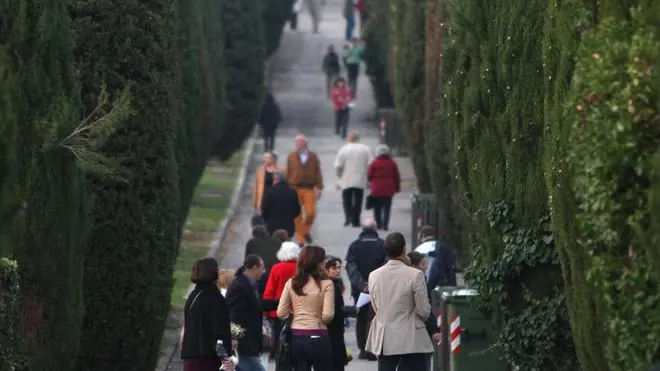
271, 116
353, 59
264, 179
399, 297
280, 206
293, 21
349, 15
246, 310
364, 14
364, 255
206, 320
304, 175
351, 164
264, 246
342, 97
385, 182
281, 235
310, 297
279, 275
442, 271
427, 245
331, 68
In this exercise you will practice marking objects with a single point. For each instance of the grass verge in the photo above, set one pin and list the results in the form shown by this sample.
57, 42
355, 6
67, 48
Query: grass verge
207, 211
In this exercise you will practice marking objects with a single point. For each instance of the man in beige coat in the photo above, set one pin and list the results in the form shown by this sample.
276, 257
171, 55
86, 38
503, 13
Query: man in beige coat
399, 297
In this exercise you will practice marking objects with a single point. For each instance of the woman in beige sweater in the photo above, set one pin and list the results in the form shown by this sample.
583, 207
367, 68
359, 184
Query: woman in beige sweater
309, 296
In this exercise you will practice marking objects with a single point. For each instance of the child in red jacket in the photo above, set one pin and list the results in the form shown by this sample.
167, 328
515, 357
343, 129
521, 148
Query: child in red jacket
342, 97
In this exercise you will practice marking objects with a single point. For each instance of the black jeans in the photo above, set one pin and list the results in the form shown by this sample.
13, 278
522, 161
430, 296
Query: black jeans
276, 328
403, 362
269, 141
362, 323
293, 21
382, 208
353, 70
311, 351
352, 202
341, 122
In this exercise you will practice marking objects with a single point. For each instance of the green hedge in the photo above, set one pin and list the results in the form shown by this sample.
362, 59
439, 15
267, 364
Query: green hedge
376, 53
275, 15
133, 242
245, 58
10, 305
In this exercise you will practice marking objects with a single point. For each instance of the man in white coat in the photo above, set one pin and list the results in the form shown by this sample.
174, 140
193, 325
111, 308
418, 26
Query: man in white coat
351, 164
400, 300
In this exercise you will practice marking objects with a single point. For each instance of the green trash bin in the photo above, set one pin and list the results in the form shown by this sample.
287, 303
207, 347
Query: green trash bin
439, 308
469, 335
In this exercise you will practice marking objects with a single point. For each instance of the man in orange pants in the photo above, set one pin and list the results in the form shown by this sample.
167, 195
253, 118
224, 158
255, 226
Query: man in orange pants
304, 175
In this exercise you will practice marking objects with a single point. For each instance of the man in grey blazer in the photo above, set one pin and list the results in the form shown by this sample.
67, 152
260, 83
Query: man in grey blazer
399, 297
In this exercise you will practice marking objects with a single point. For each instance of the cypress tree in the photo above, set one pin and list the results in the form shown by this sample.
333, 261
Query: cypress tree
407, 45
245, 58
39, 104
275, 14
133, 242
376, 53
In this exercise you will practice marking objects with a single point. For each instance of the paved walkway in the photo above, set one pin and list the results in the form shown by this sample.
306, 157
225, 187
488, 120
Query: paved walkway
299, 87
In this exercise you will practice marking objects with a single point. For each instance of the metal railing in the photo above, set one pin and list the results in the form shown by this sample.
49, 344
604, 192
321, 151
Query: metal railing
425, 211
391, 132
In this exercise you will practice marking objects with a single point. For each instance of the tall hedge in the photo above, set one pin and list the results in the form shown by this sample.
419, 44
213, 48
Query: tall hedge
492, 103
245, 59
407, 69
133, 243
200, 89
46, 237
275, 15
10, 300
376, 53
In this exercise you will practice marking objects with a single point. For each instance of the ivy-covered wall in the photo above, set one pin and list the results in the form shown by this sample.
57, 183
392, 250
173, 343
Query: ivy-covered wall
10, 300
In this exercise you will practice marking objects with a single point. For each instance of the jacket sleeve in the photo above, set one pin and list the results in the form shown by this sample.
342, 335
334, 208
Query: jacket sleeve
339, 162
272, 283
421, 297
437, 272
319, 173
236, 300
265, 210
219, 314
397, 177
284, 307
328, 311
354, 275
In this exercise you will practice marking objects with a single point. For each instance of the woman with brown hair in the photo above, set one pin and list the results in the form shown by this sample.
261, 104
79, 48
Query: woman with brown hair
309, 296
206, 320
265, 179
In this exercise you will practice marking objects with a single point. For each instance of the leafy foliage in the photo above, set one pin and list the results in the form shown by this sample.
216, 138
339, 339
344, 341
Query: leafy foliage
275, 15
376, 52
10, 291
617, 136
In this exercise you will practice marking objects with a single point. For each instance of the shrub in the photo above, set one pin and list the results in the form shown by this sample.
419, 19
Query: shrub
9, 313
376, 53
275, 14
133, 242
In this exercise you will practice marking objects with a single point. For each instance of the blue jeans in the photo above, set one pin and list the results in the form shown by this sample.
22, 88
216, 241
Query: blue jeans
350, 26
250, 364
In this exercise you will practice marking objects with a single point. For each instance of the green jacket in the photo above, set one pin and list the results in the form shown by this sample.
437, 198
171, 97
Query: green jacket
354, 55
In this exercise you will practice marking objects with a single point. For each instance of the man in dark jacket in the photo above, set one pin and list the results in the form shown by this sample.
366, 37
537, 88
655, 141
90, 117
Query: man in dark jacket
264, 246
271, 116
443, 267
280, 206
246, 310
331, 68
364, 255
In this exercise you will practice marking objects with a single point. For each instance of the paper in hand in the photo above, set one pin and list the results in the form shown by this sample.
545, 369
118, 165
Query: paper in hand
363, 300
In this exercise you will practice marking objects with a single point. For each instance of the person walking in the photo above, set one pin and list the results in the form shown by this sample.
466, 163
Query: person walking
400, 301
246, 310
442, 271
336, 328
280, 206
427, 246
383, 174
364, 14
304, 175
353, 59
264, 246
364, 255
293, 21
331, 67
279, 275
341, 97
309, 297
349, 15
264, 179
271, 116
206, 320
351, 164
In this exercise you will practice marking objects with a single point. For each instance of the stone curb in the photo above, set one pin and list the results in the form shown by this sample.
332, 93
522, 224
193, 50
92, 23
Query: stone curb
221, 234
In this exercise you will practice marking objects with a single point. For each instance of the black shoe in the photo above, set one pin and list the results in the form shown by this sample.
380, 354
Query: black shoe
308, 239
368, 356
346, 223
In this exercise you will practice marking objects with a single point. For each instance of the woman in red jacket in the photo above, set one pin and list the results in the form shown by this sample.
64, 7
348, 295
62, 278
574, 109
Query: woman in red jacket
341, 99
279, 274
383, 174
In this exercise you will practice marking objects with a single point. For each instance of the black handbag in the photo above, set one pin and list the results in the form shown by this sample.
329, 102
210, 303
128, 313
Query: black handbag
284, 359
369, 204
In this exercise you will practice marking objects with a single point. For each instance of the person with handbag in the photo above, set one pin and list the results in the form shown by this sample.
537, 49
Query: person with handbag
308, 303
206, 320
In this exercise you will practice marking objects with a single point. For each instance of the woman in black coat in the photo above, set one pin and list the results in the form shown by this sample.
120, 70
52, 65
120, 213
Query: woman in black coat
206, 320
336, 327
